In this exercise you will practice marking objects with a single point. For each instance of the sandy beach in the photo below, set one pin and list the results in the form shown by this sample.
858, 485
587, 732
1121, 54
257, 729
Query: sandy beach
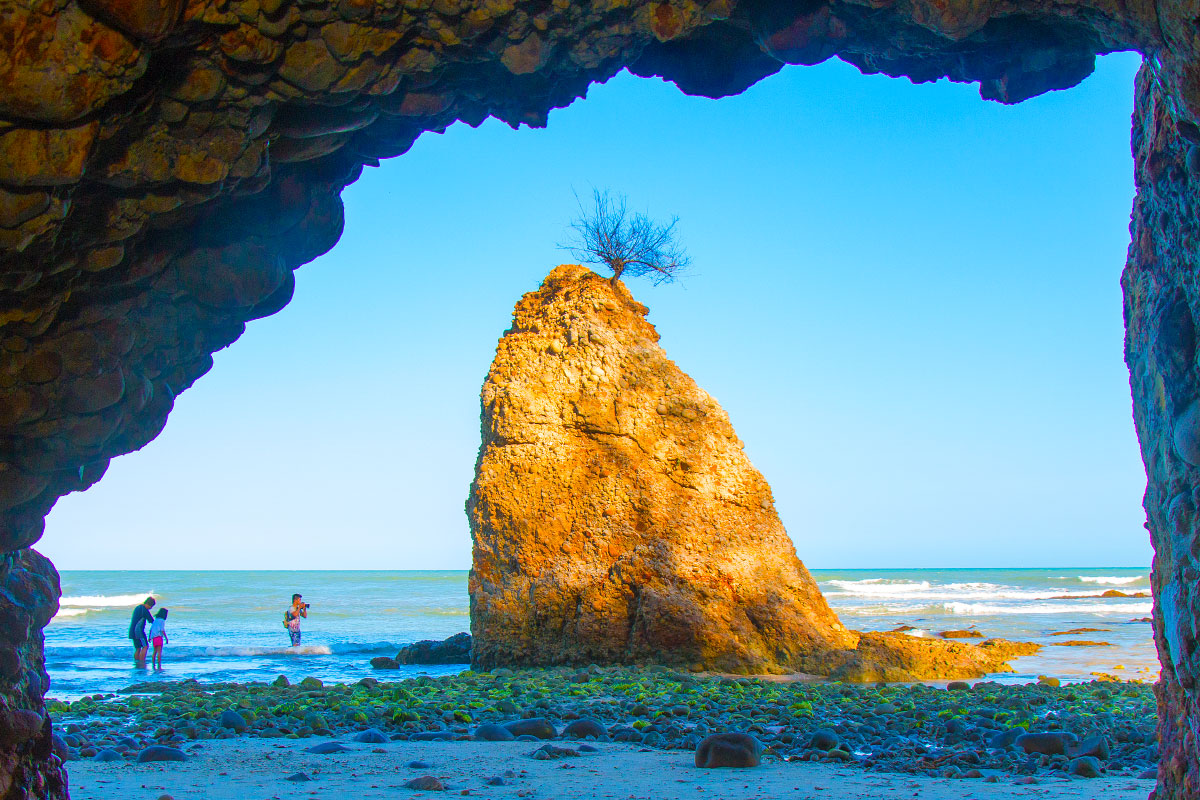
251, 769
620, 733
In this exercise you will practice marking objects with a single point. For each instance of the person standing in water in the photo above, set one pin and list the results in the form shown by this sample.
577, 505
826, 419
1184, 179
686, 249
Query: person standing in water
158, 637
137, 630
291, 618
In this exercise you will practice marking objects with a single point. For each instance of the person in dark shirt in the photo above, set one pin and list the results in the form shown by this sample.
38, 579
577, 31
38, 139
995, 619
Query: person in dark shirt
137, 630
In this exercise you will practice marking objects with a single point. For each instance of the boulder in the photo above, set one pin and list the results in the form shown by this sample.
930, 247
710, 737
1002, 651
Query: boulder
729, 750
455, 650
371, 736
614, 513
326, 748
384, 662
1096, 746
895, 657
1084, 767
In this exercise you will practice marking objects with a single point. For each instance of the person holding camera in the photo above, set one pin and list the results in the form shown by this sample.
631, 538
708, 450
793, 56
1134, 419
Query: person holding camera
291, 618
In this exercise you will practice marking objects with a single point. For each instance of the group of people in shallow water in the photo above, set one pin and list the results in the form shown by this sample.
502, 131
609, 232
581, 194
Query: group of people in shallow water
158, 633
158, 628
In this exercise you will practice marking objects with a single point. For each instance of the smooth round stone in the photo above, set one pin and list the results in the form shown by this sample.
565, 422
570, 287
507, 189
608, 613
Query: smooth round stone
158, 752
737, 750
426, 783
492, 733
538, 726
233, 721
1048, 744
108, 755
325, 748
824, 739
1085, 767
371, 736
582, 728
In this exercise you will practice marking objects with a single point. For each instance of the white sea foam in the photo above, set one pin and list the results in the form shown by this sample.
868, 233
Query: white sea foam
877, 591
984, 610
105, 601
1111, 580
70, 612
243, 651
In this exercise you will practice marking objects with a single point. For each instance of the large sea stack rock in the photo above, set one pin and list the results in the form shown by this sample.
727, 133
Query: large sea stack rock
615, 516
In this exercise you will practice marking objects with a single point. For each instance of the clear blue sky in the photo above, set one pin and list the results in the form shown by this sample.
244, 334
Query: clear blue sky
906, 298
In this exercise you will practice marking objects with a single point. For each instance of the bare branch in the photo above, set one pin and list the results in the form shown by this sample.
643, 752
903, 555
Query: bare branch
628, 244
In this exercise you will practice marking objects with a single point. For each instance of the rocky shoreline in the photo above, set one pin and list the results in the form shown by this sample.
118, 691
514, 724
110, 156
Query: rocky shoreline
981, 731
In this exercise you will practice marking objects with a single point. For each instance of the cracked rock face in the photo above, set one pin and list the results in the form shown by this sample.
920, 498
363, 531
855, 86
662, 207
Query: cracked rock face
615, 516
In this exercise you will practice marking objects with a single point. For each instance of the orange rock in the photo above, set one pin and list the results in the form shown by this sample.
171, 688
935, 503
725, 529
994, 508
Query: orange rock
692, 569
149, 20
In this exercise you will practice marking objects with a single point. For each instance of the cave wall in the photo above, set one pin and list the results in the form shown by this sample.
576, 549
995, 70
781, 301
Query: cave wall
166, 164
1162, 287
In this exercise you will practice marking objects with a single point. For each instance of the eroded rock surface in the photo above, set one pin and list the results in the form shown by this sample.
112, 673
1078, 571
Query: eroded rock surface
1162, 296
29, 767
615, 516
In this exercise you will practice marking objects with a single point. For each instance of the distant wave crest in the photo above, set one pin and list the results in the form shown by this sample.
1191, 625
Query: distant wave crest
1111, 580
70, 612
884, 590
981, 609
105, 600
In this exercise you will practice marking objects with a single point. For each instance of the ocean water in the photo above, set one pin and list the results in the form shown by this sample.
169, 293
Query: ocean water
228, 626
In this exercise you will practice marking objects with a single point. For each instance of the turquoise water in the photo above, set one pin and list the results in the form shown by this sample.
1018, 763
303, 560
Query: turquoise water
228, 625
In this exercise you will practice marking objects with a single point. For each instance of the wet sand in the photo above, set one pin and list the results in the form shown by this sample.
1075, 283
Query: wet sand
257, 769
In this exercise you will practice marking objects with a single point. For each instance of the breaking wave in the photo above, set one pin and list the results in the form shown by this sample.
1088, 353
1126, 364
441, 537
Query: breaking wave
104, 600
70, 612
1111, 580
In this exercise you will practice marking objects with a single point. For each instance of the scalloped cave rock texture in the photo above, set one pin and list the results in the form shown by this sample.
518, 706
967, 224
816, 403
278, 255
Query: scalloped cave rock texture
615, 517
165, 165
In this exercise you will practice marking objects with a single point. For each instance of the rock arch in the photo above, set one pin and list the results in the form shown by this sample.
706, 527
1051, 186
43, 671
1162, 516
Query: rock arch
165, 165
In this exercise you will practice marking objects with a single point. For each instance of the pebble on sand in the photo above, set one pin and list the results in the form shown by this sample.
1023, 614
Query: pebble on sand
426, 783
325, 748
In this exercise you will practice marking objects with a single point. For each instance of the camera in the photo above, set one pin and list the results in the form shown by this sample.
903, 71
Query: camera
308, 605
